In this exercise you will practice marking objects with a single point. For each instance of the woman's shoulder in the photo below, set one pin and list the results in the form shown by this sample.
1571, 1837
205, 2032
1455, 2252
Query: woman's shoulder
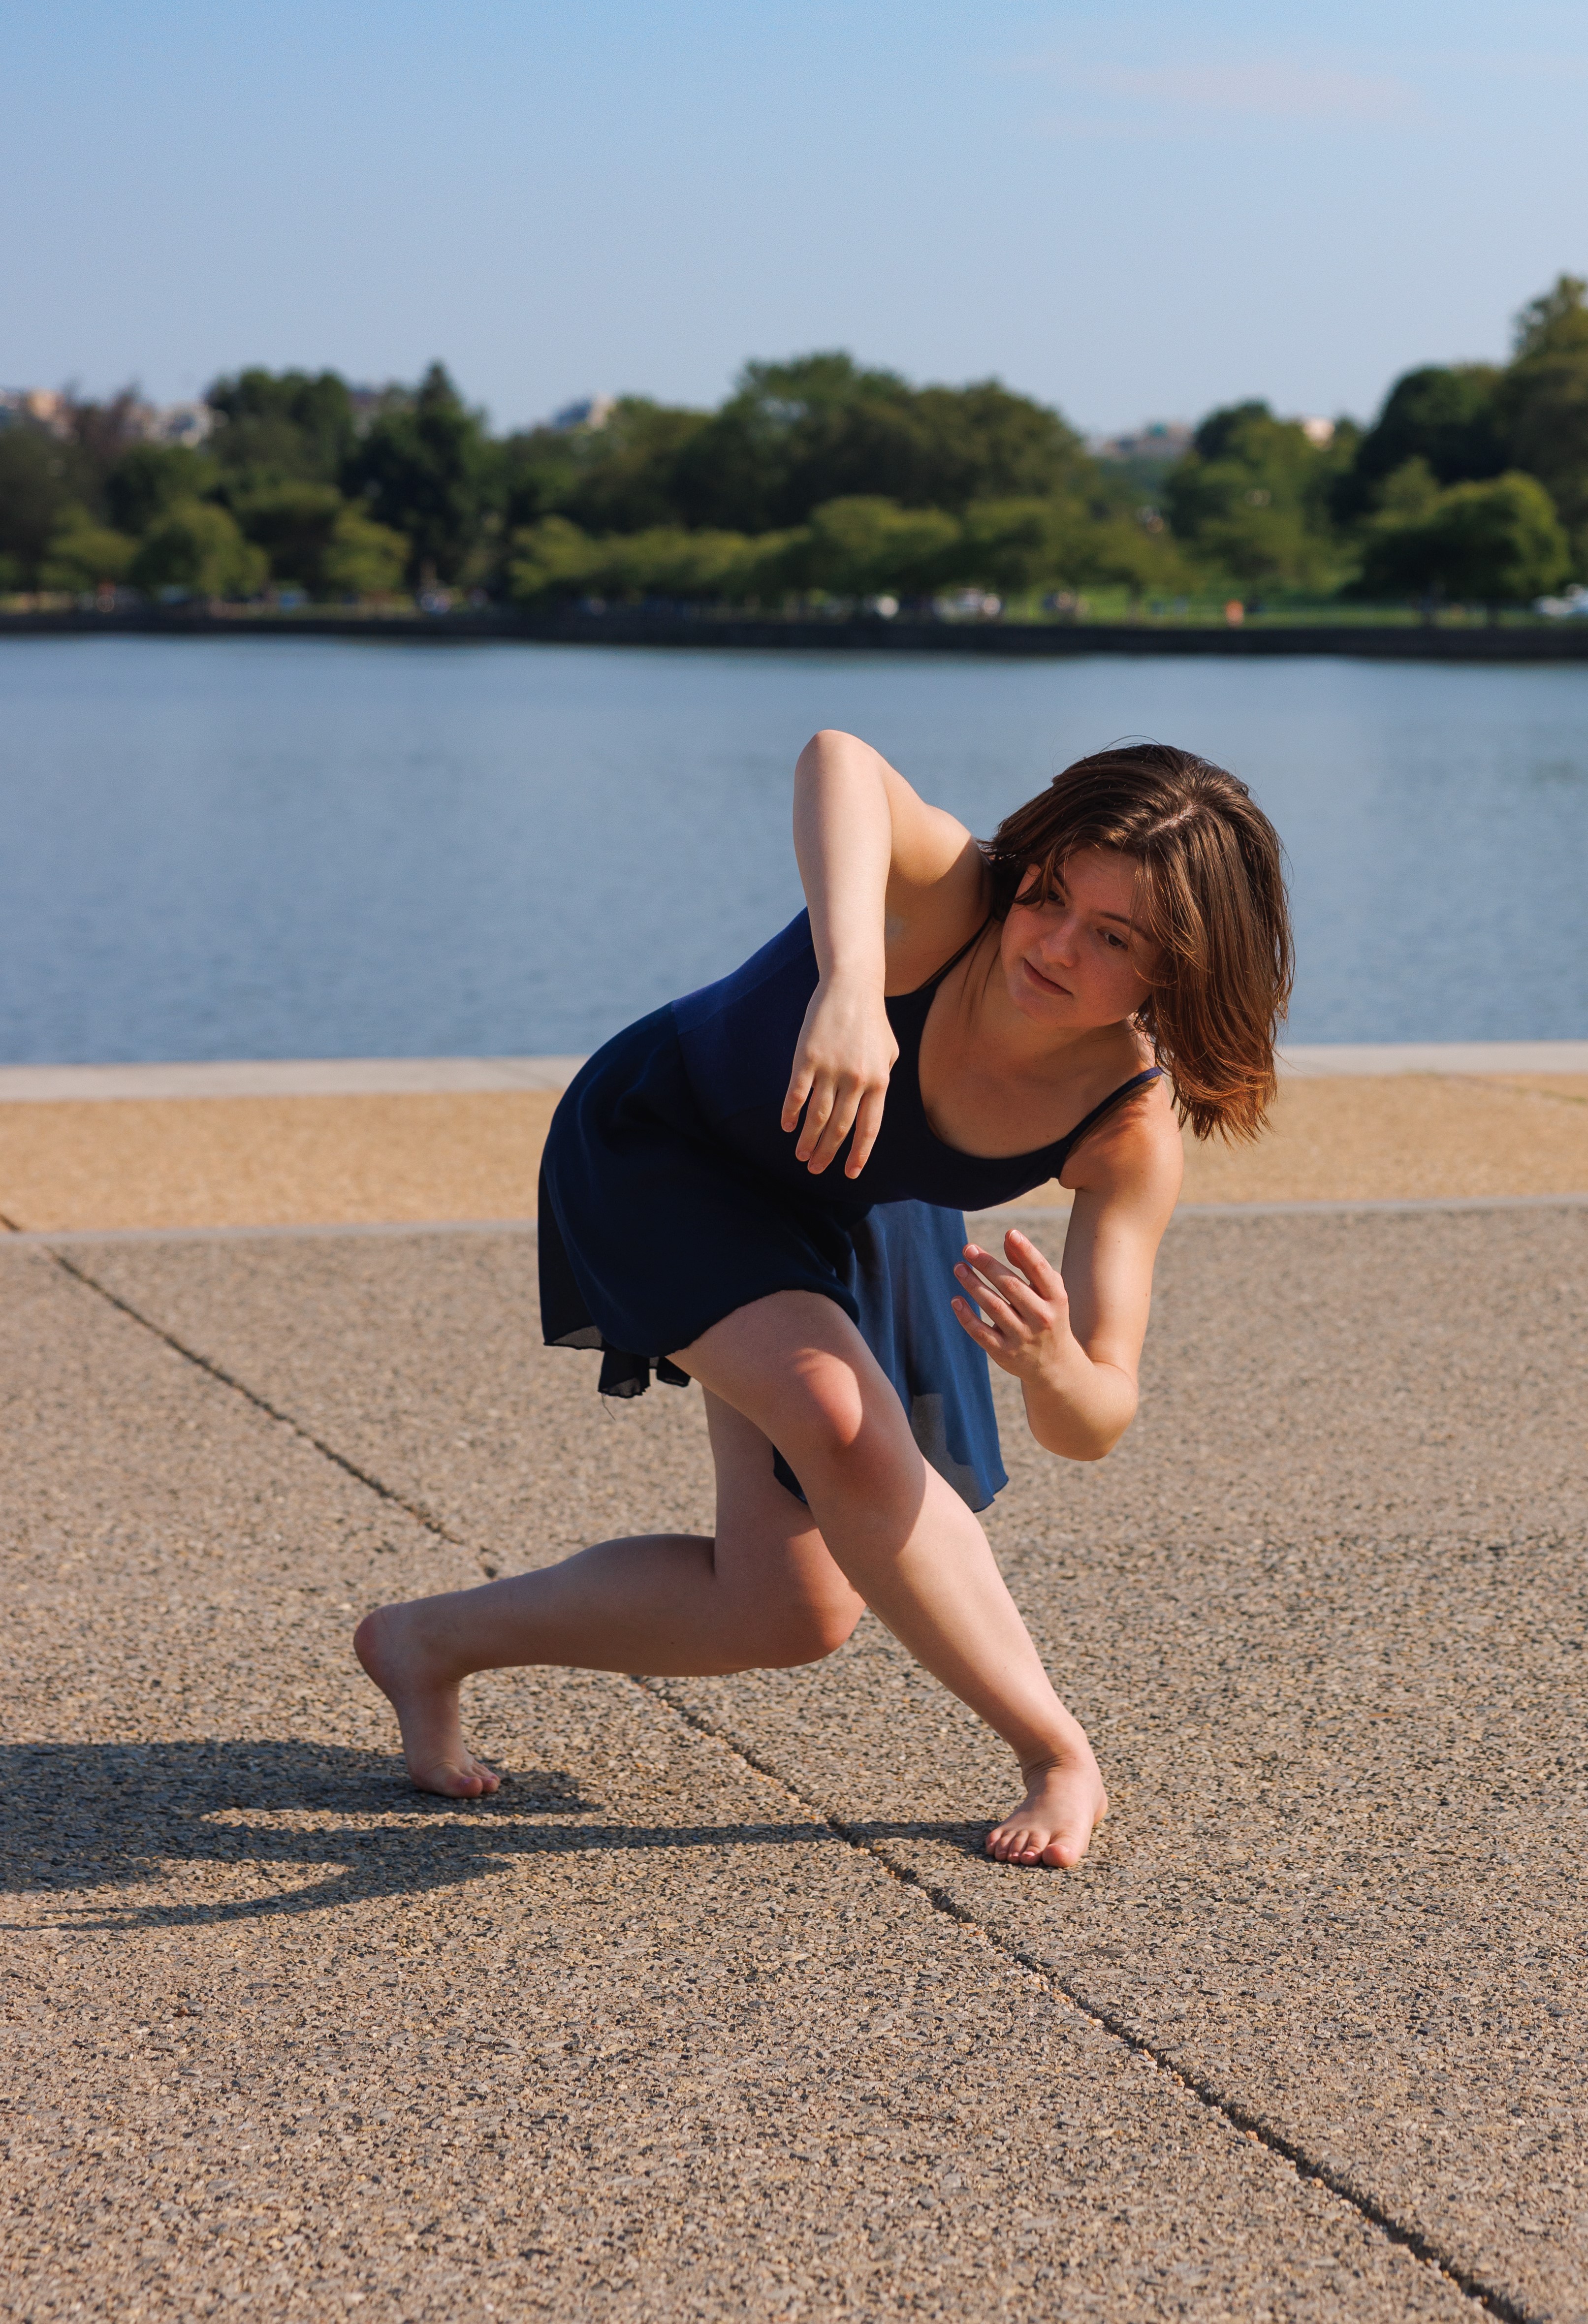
1135, 1152
927, 924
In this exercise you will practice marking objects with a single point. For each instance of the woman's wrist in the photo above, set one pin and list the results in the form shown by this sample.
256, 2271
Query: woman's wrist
858, 969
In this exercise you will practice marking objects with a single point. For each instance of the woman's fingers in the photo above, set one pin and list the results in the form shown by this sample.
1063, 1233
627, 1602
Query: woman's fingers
818, 1110
834, 1108
868, 1122
1009, 1283
983, 1335
1040, 1272
845, 1112
828, 1120
1022, 1305
800, 1087
987, 1297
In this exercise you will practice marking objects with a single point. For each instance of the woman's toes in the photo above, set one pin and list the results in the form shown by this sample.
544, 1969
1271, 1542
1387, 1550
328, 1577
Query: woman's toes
452, 1781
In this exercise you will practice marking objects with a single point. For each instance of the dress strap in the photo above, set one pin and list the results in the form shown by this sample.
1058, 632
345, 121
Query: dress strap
936, 978
1126, 1089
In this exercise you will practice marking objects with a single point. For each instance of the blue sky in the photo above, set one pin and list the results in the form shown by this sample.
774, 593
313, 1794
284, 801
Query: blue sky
1128, 212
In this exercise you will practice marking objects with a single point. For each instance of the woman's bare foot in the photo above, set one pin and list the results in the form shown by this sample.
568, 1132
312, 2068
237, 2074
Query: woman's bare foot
1065, 1803
391, 1644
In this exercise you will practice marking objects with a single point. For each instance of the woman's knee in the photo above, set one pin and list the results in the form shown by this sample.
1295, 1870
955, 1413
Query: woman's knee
837, 1423
807, 1629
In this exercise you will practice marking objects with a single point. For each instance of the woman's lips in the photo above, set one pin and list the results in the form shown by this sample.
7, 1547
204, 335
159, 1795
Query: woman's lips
1047, 982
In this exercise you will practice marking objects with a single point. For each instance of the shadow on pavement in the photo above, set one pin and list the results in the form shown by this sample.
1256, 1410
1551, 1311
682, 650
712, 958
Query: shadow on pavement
89, 1817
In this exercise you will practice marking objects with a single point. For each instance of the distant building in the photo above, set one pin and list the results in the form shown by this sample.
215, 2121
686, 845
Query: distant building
145, 423
368, 403
36, 407
1162, 440
592, 411
1320, 432
188, 424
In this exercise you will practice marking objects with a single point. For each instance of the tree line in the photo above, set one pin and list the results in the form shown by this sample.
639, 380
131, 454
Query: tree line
817, 479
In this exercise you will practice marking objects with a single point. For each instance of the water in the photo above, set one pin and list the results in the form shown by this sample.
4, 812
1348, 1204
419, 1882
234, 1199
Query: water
255, 848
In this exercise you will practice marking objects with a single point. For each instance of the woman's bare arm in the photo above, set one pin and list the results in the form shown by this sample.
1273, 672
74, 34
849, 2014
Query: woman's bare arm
1073, 1335
892, 885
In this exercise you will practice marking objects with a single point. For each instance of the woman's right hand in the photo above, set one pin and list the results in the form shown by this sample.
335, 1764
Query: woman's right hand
842, 1061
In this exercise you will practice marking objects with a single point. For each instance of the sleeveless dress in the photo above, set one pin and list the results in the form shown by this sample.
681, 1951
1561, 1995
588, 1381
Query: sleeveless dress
670, 1195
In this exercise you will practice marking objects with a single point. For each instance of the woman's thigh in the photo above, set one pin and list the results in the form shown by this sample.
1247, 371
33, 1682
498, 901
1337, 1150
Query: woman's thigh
770, 1556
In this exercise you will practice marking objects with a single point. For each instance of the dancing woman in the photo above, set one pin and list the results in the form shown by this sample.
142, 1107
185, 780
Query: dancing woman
759, 1188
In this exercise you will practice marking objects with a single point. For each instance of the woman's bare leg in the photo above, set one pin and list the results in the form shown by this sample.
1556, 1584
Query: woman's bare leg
795, 1365
760, 1593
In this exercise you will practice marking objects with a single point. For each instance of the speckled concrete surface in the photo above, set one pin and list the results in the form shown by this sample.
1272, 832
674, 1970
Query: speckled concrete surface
643, 2038
1323, 1613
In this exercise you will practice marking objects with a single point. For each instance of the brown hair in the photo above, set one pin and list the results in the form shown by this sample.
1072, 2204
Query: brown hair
1210, 892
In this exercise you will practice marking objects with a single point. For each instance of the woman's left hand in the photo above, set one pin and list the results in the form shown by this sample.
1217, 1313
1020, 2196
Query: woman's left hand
1026, 1309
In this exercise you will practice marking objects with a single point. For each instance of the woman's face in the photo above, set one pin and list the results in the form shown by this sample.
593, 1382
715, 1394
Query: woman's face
1080, 960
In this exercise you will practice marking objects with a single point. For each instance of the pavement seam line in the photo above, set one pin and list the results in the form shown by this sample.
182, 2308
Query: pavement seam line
1486, 2296
1050, 1214
217, 1372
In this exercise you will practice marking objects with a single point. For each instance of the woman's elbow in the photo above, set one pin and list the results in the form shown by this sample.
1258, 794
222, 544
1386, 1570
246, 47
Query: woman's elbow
1096, 1446
1078, 1439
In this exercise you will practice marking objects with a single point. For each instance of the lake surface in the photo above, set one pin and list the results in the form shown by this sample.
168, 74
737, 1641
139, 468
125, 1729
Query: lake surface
262, 848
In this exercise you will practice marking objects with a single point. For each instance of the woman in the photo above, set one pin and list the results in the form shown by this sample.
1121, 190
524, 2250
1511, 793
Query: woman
759, 1188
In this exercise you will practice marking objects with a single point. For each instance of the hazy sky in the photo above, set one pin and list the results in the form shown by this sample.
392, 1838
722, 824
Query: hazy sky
1129, 212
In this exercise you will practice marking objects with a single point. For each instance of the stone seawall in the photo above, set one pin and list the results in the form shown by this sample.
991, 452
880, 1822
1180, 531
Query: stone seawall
1566, 642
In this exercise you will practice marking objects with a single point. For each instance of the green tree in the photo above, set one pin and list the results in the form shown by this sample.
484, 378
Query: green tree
293, 523
666, 561
41, 479
152, 479
1250, 500
1443, 415
1494, 544
422, 471
1542, 402
797, 435
1556, 323
625, 478
280, 426
1408, 496
362, 559
1116, 550
104, 433
1018, 545
1011, 545
863, 546
551, 560
748, 468
82, 554
198, 547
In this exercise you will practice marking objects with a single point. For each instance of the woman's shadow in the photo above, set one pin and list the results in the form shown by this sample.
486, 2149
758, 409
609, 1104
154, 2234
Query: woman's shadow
299, 1827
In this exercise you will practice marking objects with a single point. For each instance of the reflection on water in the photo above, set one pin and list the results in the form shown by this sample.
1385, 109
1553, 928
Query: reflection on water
253, 848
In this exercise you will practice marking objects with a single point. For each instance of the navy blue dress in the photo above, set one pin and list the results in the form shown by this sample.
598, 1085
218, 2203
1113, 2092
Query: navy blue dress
670, 1195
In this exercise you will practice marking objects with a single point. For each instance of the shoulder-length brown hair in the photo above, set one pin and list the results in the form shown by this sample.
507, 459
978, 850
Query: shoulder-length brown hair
1210, 894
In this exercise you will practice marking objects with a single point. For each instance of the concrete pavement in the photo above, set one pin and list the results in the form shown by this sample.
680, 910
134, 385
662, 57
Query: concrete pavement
716, 2011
